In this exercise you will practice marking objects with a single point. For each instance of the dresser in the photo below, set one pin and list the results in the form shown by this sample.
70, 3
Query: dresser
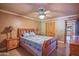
12, 43
74, 47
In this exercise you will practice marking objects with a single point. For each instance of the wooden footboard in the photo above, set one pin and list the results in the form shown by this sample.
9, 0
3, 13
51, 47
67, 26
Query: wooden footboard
49, 46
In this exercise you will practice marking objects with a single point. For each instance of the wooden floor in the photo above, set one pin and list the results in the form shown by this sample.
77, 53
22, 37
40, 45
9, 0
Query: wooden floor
60, 51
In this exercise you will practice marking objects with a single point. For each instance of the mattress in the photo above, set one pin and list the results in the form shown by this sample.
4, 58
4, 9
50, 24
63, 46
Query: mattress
38, 38
35, 43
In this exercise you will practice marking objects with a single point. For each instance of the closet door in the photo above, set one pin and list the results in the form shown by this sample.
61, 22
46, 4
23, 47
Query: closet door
50, 28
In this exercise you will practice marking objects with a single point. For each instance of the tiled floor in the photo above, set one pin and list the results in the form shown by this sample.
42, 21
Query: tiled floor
61, 51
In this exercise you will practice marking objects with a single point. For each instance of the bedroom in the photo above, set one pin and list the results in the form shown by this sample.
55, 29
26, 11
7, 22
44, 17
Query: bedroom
58, 22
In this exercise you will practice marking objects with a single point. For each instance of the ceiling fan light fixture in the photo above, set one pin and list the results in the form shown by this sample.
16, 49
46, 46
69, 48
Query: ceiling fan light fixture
41, 16
41, 13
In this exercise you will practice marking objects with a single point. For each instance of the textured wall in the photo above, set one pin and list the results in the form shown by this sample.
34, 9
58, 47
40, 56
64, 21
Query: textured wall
16, 22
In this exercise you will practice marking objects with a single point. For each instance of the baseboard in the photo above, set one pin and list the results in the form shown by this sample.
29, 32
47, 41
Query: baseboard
60, 41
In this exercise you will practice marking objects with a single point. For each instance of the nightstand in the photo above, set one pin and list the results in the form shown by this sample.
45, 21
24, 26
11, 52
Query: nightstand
12, 43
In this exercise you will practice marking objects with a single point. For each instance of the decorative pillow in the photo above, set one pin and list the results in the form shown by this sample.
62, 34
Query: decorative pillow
26, 34
32, 34
21, 35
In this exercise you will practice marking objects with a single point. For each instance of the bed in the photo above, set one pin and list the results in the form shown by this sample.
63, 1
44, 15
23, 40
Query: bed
37, 45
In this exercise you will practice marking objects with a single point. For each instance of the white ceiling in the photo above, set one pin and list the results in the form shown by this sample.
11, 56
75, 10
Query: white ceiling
53, 10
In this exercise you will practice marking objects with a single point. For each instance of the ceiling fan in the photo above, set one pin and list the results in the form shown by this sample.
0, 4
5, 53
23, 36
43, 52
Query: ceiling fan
42, 13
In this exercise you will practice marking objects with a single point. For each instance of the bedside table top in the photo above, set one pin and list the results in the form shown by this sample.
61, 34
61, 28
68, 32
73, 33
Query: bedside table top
12, 39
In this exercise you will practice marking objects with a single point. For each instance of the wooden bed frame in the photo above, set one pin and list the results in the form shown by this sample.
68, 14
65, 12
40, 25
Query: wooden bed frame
44, 50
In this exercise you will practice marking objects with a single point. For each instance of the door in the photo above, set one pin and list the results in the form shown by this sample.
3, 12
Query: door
50, 28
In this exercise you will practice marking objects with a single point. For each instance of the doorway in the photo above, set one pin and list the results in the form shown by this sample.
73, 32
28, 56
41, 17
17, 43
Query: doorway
69, 30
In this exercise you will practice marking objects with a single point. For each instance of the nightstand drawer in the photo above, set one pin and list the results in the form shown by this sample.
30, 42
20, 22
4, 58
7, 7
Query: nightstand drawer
12, 43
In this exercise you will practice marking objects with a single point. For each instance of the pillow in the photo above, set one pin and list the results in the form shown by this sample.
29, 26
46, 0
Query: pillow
32, 34
26, 34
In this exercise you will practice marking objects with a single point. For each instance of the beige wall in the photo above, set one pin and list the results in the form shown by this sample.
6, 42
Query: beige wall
42, 28
16, 22
60, 29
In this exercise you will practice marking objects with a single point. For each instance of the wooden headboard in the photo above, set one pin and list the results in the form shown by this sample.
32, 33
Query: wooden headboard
20, 31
